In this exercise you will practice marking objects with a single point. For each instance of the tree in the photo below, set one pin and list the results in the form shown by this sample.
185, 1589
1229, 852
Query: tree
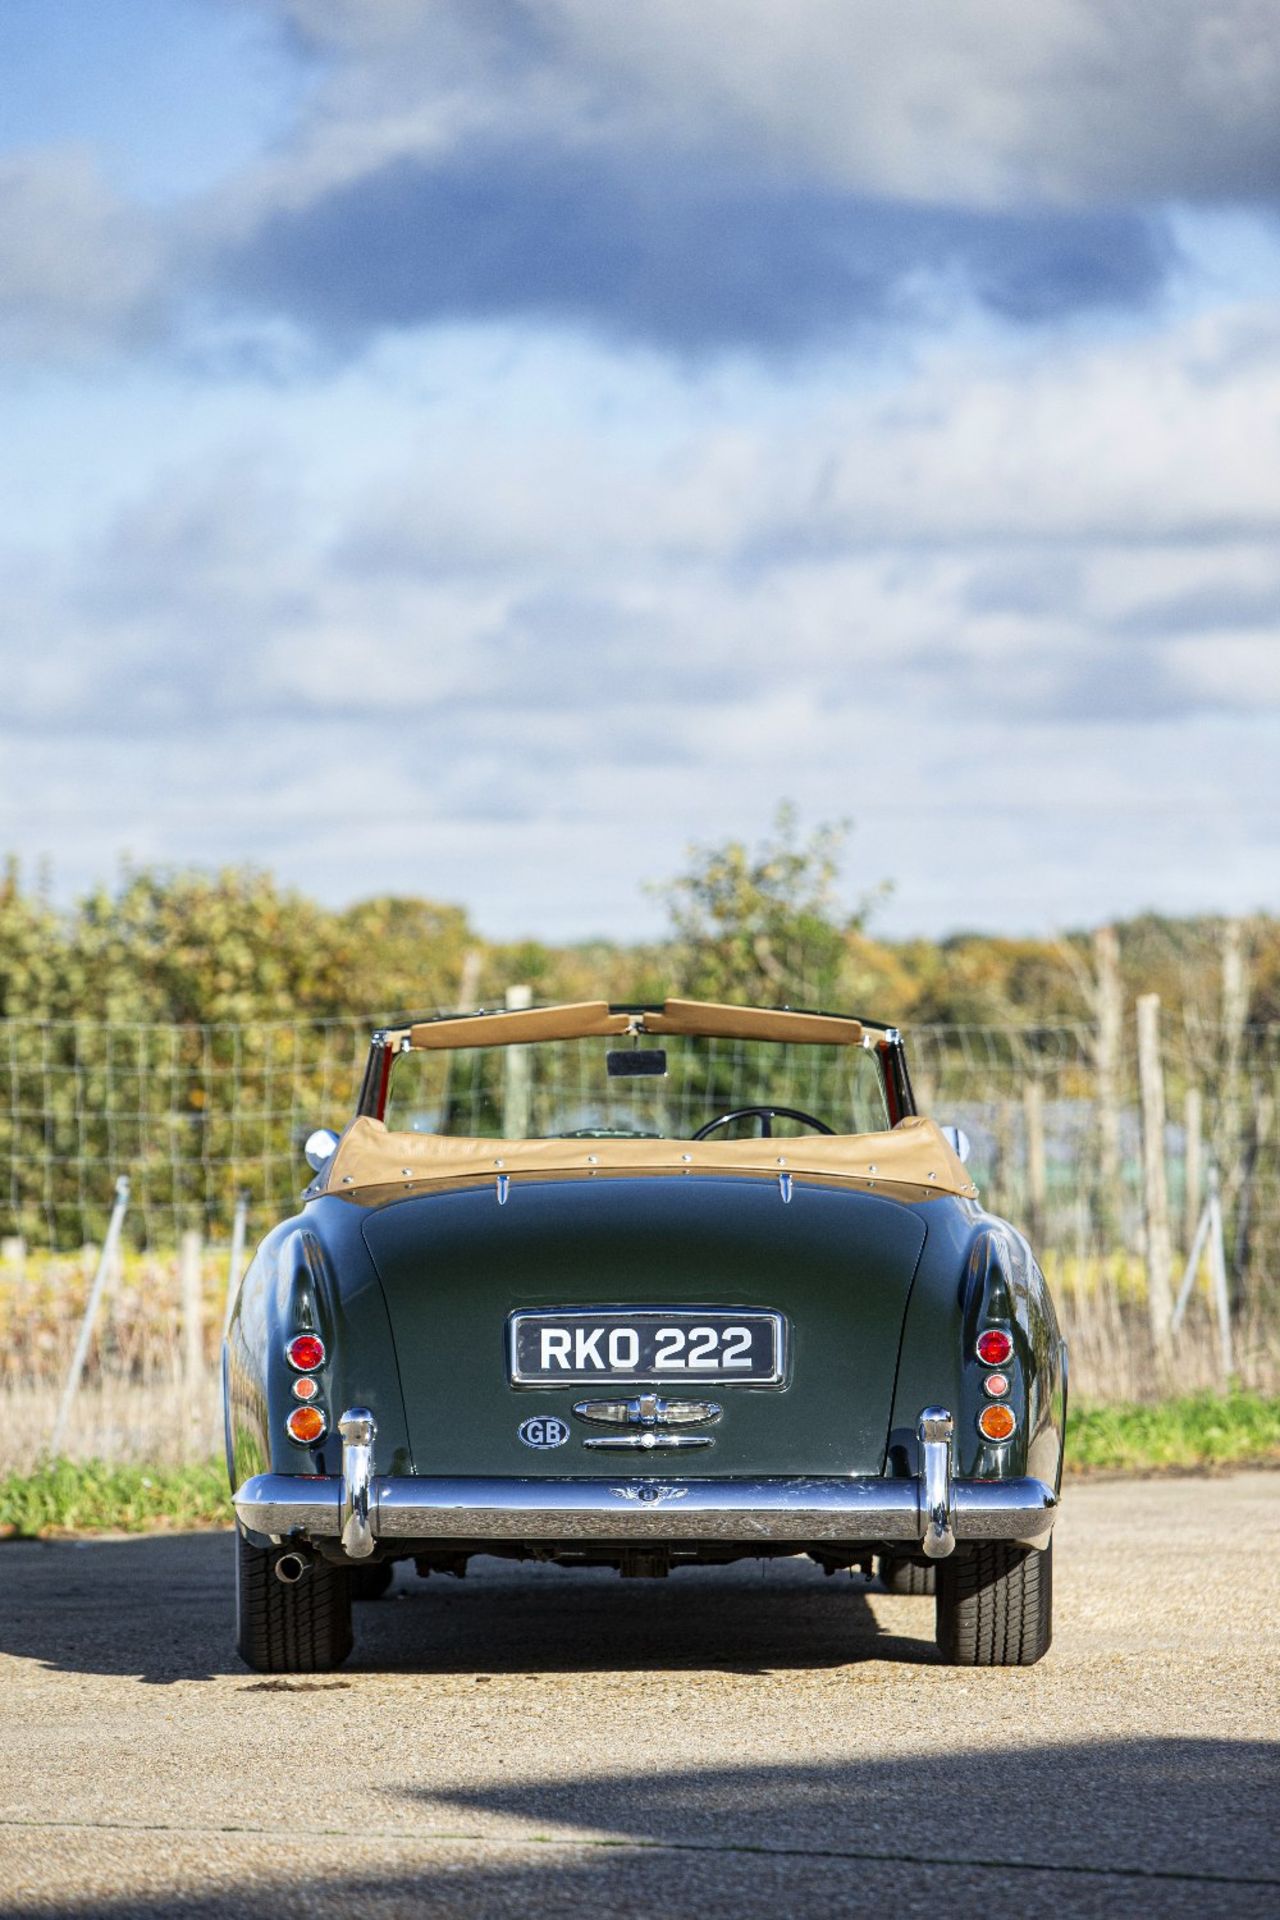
765, 924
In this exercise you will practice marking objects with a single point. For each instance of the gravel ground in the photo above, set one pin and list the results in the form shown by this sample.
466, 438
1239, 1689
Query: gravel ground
758, 1740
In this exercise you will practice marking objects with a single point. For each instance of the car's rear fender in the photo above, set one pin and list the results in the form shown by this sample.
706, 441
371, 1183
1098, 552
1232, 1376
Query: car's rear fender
310, 1274
978, 1271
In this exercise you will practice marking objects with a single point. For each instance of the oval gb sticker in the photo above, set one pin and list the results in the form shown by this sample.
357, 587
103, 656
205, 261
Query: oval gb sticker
544, 1430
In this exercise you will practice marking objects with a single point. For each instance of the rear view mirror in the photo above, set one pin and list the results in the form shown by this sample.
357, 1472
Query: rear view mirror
632, 1063
958, 1140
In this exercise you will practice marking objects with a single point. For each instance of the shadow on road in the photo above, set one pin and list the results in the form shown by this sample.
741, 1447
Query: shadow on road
159, 1608
1113, 1827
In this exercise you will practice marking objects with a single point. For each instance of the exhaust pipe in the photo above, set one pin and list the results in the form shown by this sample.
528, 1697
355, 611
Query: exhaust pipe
291, 1567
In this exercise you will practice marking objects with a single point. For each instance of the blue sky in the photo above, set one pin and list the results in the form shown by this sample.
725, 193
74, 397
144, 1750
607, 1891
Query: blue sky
478, 447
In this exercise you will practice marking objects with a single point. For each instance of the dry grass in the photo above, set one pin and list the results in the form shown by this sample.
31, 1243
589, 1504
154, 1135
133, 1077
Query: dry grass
1113, 1356
138, 1336
133, 1404
155, 1422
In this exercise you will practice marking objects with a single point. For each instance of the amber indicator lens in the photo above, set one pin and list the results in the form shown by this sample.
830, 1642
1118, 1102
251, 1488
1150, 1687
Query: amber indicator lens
994, 1347
306, 1389
996, 1384
996, 1423
306, 1352
307, 1424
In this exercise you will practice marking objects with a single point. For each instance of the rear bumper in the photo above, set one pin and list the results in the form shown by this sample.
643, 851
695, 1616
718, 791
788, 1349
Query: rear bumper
627, 1508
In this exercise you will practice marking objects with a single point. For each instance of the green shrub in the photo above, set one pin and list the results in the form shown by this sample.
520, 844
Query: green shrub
91, 1497
1195, 1431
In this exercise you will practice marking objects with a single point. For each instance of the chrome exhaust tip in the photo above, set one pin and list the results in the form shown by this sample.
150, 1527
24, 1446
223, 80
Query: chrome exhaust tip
291, 1567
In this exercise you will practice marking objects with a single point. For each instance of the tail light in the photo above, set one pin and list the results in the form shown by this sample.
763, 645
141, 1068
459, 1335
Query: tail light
996, 1422
305, 1352
306, 1388
996, 1385
305, 1425
994, 1347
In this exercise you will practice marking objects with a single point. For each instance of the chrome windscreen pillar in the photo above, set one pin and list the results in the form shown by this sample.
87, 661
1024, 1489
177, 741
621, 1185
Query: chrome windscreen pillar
357, 1429
935, 1430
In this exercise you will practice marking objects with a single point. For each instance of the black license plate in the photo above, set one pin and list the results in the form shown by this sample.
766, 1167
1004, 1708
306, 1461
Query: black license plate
585, 1345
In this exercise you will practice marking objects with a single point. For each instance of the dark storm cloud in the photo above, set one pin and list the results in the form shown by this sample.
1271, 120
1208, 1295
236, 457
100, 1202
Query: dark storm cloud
687, 258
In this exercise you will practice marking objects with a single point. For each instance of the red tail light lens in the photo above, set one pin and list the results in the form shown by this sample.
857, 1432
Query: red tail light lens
307, 1389
306, 1352
996, 1423
994, 1347
305, 1424
996, 1384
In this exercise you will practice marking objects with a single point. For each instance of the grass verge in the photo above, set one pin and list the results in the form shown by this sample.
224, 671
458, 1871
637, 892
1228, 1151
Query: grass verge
1191, 1433
92, 1497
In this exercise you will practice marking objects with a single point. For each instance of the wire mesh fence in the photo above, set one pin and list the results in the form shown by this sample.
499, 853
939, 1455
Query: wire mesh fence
197, 1116
193, 1114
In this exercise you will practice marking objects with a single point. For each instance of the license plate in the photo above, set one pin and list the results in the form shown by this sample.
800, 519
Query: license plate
584, 1345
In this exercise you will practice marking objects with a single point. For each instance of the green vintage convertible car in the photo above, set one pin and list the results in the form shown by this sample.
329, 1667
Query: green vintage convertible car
643, 1287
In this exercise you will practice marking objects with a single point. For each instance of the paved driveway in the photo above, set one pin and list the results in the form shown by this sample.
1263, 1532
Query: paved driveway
753, 1741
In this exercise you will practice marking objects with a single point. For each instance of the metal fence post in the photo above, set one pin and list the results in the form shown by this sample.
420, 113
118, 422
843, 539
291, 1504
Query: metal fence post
192, 1297
1155, 1190
239, 1228
1218, 1272
1193, 1128
106, 1261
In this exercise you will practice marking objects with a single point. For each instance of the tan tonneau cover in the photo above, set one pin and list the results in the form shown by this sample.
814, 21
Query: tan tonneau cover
585, 1019
913, 1154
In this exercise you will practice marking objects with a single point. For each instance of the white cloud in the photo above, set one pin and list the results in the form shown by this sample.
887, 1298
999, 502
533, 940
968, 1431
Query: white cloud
79, 267
996, 609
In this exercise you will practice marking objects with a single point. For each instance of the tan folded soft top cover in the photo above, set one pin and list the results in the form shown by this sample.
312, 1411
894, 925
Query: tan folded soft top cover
914, 1154
584, 1019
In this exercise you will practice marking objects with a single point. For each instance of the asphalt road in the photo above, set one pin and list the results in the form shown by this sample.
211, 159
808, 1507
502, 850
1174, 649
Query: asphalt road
754, 1741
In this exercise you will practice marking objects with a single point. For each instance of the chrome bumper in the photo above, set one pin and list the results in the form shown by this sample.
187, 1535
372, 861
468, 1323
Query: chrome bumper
931, 1512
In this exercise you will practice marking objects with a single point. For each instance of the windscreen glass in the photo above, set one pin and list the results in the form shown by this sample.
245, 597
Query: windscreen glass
564, 1088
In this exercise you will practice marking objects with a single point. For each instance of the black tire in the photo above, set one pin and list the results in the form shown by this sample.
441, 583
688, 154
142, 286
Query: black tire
995, 1606
304, 1628
370, 1583
904, 1576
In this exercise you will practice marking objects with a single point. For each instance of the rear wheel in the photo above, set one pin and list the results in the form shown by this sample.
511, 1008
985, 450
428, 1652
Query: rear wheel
905, 1576
995, 1606
370, 1583
300, 1628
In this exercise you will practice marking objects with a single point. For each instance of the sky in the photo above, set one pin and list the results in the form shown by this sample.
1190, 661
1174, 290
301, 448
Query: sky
480, 448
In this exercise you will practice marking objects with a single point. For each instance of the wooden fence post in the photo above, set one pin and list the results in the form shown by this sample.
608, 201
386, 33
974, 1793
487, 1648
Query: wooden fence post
517, 1083
1033, 1115
1155, 1190
469, 980
1109, 1013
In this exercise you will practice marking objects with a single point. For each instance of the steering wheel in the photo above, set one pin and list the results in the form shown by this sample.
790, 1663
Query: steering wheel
765, 1115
